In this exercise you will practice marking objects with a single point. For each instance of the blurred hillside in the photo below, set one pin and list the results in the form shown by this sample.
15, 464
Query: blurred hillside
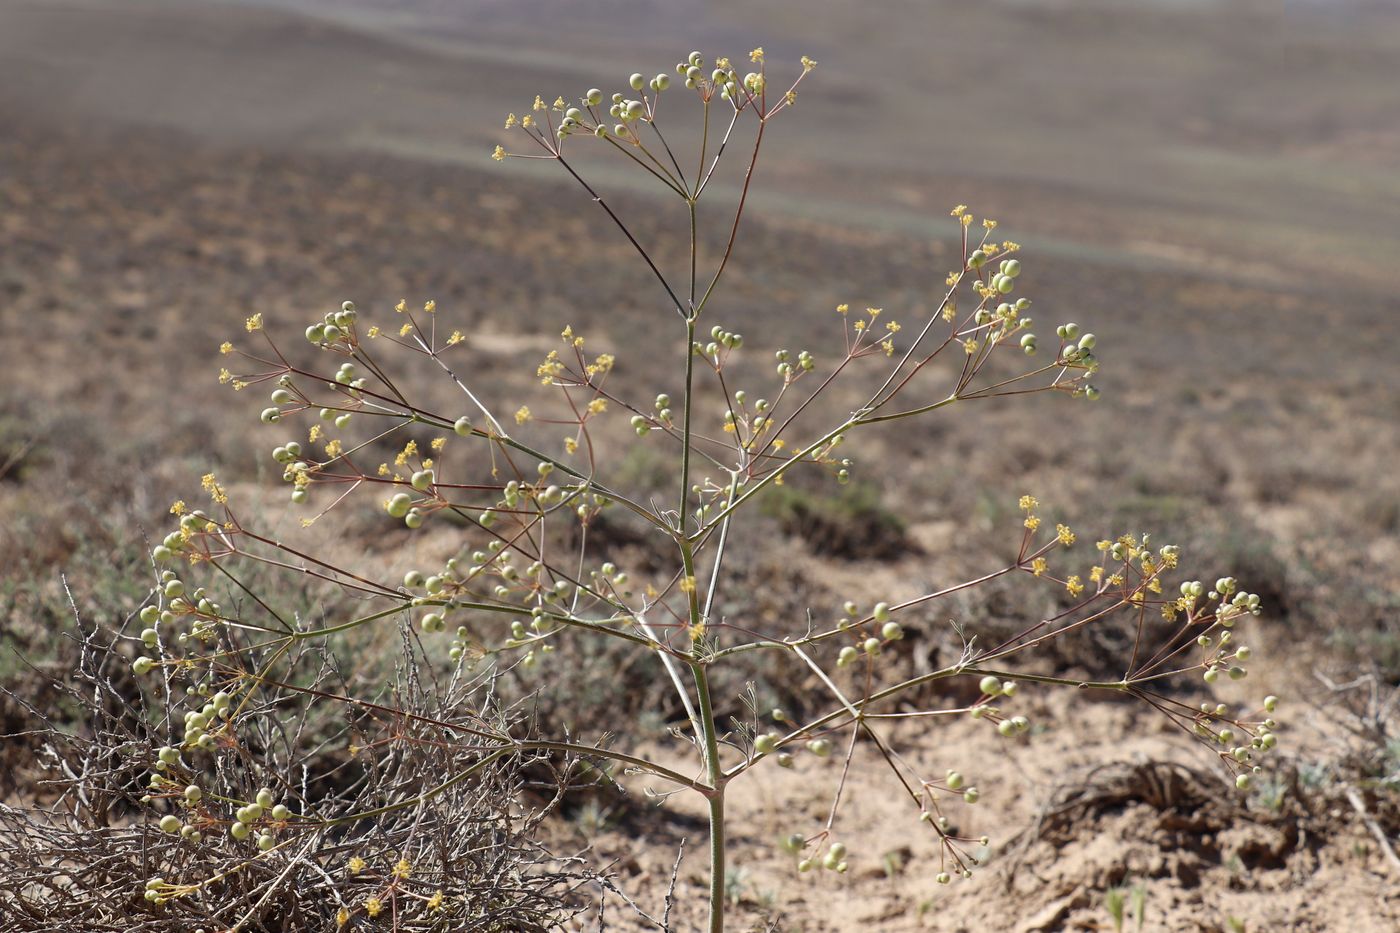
1214, 187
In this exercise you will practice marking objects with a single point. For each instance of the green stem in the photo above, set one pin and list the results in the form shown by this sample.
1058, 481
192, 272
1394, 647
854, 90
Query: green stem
710, 740
685, 425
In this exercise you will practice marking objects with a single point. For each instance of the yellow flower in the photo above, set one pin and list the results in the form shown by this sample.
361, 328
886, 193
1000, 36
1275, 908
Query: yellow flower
226, 347
253, 323
211, 486
455, 339
342, 917
499, 153
570, 445
1064, 535
1038, 566
314, 434
560, 103
756, 55
1096, 574
373, 906
688, 584
511, 121
1031, 522
383, 469
356, 864
597, 406
1074, 585
1029, 502
969, 346
402, 306
373, 331
538, 104
333, 448
225, 377
438, 443
989, 223
523, 414
405, 330
808, 64
402, 869
430, 306
528, 122
178, 508
435, 902
842, 308
959, 210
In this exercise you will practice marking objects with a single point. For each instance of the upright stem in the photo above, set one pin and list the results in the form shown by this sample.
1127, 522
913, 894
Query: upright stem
714, 773
715, 778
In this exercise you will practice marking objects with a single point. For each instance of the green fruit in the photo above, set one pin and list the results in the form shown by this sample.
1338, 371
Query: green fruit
239, 831
150, 615
280, 812
265, 842
637, 81
421, 480
399, 504
463, 425
414, 519
170, 824
766, 744
990, 685
142, 666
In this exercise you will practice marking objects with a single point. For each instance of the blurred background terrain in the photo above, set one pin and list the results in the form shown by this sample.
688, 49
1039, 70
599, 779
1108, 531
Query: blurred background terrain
1214, 186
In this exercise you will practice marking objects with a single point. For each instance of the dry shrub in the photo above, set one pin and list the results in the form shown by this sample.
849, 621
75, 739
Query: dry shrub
79, 859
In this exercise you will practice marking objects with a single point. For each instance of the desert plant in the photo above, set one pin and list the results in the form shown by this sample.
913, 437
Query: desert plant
510, 492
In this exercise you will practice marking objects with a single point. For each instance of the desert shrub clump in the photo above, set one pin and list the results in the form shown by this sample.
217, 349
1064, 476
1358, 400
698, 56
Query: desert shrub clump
512, 499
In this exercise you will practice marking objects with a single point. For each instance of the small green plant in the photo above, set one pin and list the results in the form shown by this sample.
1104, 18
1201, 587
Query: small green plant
1116, 901
510, 490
